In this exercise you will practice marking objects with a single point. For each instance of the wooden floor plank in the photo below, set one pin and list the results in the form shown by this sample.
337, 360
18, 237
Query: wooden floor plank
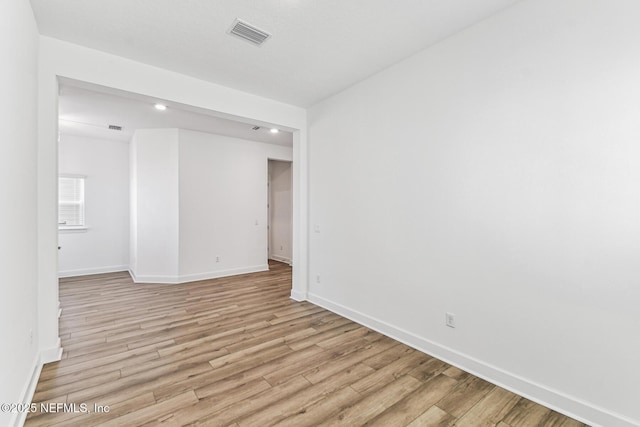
433, 416
415, 403
309, 396
526, 414
153, 412
237, 351
490, 410
389, 373
466, 394
257, 404
368, 407
312, 415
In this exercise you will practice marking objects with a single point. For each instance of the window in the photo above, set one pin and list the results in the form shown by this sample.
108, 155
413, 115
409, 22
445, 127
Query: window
71, 201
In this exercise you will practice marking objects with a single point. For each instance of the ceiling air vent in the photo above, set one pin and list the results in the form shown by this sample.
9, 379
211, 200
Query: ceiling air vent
115, 127
248, 32
255, 127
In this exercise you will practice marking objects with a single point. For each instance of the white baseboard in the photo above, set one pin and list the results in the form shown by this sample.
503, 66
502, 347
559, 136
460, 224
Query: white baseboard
164, 280
97, 270
556, 400
197, 276
133, 275
280, 259
52, 354
298, 296
223, 273
18, 418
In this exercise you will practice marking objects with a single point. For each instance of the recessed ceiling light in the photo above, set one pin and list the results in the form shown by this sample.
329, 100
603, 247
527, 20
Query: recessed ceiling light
274, 130
160, 107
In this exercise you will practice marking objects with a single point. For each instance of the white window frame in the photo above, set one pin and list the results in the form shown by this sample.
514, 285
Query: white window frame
81, 202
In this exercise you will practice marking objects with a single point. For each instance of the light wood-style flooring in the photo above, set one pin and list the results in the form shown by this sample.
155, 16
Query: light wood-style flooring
238, 351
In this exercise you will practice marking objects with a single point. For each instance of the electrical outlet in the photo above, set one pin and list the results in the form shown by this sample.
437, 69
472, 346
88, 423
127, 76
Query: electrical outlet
218, 258
450, 320
318, 278
30, 336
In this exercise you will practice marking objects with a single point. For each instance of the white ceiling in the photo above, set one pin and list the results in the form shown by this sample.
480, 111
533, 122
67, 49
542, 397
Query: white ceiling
317, 48
88, 110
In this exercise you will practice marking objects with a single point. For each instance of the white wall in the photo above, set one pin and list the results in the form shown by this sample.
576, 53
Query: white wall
200, 205
156, 205
62, 59
495, 175
104, 246
280, 208
133, 206
223, 204
18, 192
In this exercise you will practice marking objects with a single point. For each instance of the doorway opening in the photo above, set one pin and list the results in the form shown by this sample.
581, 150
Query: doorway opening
280, 211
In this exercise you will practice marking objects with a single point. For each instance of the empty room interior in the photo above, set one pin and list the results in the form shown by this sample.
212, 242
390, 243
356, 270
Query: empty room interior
244, 213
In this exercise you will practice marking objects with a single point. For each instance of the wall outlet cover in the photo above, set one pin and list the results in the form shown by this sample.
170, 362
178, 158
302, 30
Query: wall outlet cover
450, 320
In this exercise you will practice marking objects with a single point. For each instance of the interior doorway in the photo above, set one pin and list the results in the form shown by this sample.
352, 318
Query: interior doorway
280, 211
